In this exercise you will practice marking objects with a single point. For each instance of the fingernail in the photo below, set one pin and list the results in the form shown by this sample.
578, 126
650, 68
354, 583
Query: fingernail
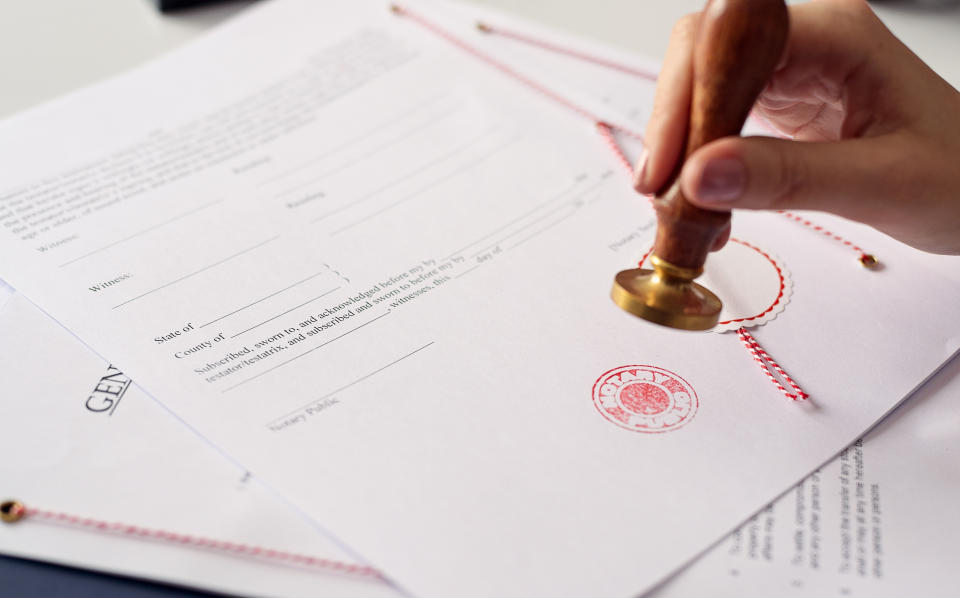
641, 171
723, 180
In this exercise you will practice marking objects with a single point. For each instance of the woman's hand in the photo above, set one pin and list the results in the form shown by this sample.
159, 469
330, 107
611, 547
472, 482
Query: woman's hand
875, 132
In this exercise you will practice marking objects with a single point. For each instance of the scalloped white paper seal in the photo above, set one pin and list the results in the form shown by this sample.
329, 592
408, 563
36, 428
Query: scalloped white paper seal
753, 284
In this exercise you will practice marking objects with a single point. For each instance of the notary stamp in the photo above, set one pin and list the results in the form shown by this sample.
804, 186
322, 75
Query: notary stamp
754, 283
645, 398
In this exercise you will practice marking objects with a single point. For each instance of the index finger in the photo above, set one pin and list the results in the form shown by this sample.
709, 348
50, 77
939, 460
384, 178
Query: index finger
667, 128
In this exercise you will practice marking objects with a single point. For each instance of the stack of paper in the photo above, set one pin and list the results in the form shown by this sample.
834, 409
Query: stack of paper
371, 271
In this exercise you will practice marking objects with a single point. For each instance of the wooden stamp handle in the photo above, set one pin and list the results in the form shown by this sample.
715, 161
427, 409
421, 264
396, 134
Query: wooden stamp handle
738, 44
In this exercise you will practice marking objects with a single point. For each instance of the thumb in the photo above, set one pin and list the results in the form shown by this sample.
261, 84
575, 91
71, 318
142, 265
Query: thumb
855, 178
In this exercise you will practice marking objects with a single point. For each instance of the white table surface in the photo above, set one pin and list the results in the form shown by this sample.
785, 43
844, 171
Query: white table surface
49, 47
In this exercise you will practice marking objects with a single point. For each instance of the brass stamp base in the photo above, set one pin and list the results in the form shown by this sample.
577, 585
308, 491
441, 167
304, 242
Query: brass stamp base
667, 296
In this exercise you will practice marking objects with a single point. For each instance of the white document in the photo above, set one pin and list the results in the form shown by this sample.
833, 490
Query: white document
878, 521
80, 438
6, 292
854, 528
374, 272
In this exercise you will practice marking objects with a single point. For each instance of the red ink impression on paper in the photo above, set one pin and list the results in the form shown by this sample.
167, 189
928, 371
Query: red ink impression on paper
645, 398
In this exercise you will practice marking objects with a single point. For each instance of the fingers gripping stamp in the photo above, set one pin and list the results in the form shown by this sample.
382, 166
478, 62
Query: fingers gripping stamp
737, 47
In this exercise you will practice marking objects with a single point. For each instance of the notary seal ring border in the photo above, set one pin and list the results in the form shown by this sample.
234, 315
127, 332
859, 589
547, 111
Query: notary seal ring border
685, 416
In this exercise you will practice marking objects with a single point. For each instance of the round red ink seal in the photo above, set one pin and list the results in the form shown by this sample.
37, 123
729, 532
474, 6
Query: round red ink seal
645, 398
